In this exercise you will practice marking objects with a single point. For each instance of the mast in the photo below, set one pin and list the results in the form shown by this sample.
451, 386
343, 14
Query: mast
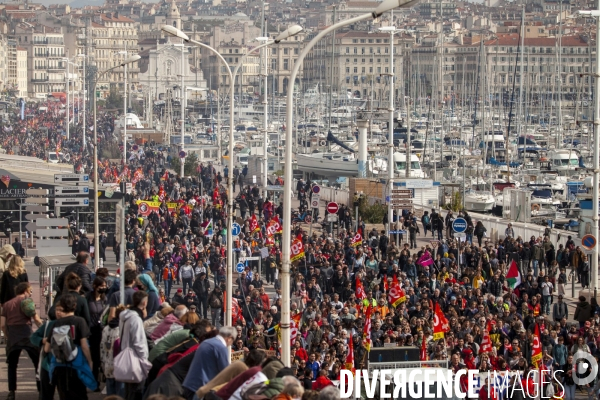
560, 124
522, 34
332, 62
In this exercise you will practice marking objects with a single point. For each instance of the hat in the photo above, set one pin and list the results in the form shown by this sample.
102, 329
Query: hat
180, 290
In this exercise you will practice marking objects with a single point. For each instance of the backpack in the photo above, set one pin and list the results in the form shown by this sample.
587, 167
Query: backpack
62, 344
426, 220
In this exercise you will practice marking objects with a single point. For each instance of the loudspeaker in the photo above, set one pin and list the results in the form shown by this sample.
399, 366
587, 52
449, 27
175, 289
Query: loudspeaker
394, 354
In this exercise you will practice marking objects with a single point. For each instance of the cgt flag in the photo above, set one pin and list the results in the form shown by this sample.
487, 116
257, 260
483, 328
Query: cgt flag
536, 350
440, 323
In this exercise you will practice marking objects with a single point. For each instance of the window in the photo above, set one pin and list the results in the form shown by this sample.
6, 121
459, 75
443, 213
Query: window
363, 70
355, 70
285, 50
296, 51
273, 51
347, 50
347, 70
356, 50
286, 64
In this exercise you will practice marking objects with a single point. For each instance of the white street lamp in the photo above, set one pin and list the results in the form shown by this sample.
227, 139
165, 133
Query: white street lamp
383, 7
596, 156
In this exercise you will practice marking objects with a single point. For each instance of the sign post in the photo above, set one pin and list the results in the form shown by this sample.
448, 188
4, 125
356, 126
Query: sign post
332, 209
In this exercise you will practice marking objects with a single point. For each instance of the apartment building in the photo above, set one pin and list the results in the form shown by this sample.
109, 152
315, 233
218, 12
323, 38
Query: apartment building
360, 63
45, 48
109, 36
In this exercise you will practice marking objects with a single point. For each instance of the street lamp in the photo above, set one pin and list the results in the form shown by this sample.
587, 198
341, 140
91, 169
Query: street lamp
68, 61
84, 98
96, 230
291, 31
596, 157
383, 7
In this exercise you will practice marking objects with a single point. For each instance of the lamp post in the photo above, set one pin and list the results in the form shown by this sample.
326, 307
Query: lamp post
171, 30
83, 105
391, 165
96, 230
383, 7
596, 157
266, 118
68, 76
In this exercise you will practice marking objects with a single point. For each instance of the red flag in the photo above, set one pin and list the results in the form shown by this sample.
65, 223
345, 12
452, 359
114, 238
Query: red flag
386, 287
254, 224
296, 250
367, 342
396, 295
294, 327
440, 323
423, 356
536, 350
486, 341
349, 364
356, 240
360, 290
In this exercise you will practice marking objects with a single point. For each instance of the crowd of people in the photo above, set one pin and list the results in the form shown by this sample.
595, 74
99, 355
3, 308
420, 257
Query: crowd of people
352, 291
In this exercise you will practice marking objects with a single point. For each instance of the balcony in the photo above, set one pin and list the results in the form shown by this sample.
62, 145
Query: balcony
39, 80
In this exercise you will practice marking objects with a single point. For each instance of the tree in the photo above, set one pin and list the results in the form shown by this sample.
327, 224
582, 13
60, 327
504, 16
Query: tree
190, 167
114, 100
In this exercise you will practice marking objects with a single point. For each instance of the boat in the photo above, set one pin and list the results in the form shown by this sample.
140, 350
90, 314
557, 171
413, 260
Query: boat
328, 164
479, 201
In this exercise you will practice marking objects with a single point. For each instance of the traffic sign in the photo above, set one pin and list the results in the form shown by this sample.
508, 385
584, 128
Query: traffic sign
332, 217
460, 235
459, 225
33, 217
72, 201
399, 232
314, 200
588, 242
38, 200
240, 267
37, 192
71, 178
62, 190
182, 154
31, 227
332, 207
52, 232
316, 189
236, 229
52, 222
53, 251
35, 208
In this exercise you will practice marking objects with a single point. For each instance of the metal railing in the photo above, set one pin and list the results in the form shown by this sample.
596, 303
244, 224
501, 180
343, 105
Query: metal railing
407, 364
48, 275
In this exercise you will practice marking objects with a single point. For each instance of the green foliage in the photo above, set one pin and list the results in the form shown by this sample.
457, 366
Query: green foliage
456, 204
114, 100
371, 213
110, 150
190, 167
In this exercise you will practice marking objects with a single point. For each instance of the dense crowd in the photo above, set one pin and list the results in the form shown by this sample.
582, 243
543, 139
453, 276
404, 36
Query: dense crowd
474, 304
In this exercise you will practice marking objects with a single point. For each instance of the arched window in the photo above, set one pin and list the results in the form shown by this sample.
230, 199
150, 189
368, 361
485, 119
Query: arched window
175, 24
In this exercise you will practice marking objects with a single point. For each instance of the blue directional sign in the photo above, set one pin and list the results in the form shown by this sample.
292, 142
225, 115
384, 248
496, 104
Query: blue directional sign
240, 267
316, 189
236, 229
459, 225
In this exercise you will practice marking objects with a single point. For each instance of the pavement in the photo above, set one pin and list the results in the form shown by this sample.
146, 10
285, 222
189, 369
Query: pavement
26, 372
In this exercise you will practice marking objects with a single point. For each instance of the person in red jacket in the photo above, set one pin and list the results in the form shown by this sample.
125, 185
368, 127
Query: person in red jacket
322, 381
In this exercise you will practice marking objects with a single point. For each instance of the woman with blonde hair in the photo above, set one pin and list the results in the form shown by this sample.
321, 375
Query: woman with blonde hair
12, 276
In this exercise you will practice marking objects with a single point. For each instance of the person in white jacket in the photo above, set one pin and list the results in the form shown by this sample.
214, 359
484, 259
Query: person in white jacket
186, 275
131, 327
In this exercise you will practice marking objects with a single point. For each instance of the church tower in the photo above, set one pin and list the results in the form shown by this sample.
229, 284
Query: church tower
173, 16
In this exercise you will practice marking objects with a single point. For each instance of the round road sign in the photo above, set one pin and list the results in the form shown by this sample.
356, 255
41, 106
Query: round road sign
236, 229
459, 225
332, 207
314, 203
182, 154
316, 189
588, 242
240, 267
134, 147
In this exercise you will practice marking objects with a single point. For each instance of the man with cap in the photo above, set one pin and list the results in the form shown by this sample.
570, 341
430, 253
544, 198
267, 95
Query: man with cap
178, 298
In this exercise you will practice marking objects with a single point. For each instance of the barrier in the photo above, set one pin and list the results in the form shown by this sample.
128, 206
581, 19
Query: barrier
329, 194
496, 226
